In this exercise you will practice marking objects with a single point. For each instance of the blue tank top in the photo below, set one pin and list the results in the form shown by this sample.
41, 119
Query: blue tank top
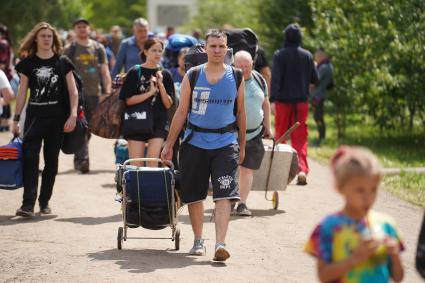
212, 108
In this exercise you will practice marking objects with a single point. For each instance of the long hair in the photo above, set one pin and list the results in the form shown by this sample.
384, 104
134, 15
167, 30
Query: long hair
29, 46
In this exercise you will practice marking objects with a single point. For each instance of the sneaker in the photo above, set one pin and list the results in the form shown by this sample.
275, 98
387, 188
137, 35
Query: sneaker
84, 167
198, 248
221, 254
24, 212
242, 210
302, 179
45, 210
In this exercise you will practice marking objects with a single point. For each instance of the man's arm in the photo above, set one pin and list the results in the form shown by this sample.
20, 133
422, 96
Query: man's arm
106, 78
20, 102
241, 121
178, 119
120, 59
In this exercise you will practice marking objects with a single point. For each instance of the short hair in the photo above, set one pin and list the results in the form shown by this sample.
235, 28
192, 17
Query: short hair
215, 33
148, 44
243, 54
141, 22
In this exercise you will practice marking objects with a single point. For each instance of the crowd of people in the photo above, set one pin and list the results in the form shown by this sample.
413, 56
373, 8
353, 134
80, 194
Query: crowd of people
227, 111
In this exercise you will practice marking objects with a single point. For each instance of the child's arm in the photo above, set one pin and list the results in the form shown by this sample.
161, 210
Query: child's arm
332, 271
393, 250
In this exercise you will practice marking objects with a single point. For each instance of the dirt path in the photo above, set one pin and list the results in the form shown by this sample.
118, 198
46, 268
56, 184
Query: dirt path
78, 242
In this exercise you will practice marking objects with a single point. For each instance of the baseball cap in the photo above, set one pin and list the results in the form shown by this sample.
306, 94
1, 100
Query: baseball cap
80, 20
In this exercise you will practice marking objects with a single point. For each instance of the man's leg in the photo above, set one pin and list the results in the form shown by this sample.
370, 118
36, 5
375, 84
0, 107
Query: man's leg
222, 218
224, 164
195, 173
246, 178
196, 213
319, 119
299, 141
51, 149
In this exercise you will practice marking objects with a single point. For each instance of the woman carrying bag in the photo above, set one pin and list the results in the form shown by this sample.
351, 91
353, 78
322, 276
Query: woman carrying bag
45, 120
148, 92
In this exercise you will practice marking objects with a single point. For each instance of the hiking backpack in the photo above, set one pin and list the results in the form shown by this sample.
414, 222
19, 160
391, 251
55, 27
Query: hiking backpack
242, 39
175, 43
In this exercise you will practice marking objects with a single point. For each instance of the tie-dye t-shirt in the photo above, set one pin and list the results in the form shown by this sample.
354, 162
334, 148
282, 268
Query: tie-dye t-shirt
338, 235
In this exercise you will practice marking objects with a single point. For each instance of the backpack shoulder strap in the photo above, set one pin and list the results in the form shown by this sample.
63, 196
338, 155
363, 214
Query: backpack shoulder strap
259, 79
237, 74
98, 48
193, 76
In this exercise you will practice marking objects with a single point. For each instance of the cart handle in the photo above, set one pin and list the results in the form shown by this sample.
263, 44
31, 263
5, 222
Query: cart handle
164, 162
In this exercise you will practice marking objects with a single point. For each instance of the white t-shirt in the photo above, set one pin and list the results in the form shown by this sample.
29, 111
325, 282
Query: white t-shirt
4, 83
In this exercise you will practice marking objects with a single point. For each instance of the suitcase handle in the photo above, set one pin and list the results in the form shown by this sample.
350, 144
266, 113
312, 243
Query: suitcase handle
165, 162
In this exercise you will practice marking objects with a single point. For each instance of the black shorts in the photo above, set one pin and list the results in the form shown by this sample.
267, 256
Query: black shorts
254, 153
196, 167
157, 133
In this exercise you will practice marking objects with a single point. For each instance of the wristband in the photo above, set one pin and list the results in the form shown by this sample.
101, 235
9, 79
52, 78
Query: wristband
16, 117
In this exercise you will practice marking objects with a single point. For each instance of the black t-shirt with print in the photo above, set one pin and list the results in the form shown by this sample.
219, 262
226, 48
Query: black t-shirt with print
46, 85
134, 85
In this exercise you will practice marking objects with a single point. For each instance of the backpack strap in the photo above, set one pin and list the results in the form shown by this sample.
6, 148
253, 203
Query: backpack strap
238, 75
193, 78
259, 79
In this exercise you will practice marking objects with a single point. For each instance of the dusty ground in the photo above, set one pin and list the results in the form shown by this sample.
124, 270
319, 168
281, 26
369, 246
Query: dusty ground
78, 242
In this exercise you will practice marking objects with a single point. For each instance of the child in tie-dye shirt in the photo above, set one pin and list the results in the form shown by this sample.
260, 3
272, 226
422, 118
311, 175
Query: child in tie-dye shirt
356, 244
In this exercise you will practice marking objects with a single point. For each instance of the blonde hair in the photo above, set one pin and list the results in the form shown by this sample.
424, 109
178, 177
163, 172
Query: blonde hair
351, 161
29, 46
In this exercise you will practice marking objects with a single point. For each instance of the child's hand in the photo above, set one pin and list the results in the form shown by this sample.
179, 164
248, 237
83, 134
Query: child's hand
392, 246
365, 250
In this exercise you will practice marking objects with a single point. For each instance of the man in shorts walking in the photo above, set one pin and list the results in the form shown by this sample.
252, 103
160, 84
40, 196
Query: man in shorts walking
211, 145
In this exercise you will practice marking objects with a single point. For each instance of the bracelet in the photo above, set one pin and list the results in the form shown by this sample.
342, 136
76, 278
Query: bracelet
16, 117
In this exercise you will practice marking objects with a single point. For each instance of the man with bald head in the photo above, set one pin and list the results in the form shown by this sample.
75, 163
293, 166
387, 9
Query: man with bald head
130, 48
257, 107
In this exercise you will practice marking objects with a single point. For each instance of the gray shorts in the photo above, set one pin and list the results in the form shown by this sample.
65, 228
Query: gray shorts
254, 153
197, 165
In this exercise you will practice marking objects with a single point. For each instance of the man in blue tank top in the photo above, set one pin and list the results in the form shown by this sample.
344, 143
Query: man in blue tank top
211, 146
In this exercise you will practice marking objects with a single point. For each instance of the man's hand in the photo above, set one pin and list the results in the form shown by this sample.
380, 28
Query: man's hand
241, 154
15, 128
167, 152
273, 108
267, 133
70, 124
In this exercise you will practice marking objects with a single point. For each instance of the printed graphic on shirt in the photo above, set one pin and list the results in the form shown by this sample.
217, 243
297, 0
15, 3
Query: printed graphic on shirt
47, 89
201, 99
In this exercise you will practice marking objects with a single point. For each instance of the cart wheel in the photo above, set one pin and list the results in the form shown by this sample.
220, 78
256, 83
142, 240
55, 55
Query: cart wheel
119, 238
275, 200
177, 239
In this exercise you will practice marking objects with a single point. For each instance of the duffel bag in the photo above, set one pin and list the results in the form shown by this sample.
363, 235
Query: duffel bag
11, 165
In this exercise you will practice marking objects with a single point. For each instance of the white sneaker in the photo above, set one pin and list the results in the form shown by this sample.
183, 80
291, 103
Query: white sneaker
198, 248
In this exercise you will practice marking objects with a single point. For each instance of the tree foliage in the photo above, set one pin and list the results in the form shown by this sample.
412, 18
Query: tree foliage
378, 54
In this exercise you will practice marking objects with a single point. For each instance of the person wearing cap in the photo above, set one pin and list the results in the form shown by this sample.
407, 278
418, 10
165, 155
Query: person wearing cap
89, 58
130, 48
293, 72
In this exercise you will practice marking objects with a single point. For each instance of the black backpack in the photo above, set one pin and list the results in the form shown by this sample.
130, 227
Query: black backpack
78, 81
242, 39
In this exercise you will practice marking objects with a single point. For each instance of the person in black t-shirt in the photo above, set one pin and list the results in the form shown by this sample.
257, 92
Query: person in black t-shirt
262, 66
154, 87
45, 120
